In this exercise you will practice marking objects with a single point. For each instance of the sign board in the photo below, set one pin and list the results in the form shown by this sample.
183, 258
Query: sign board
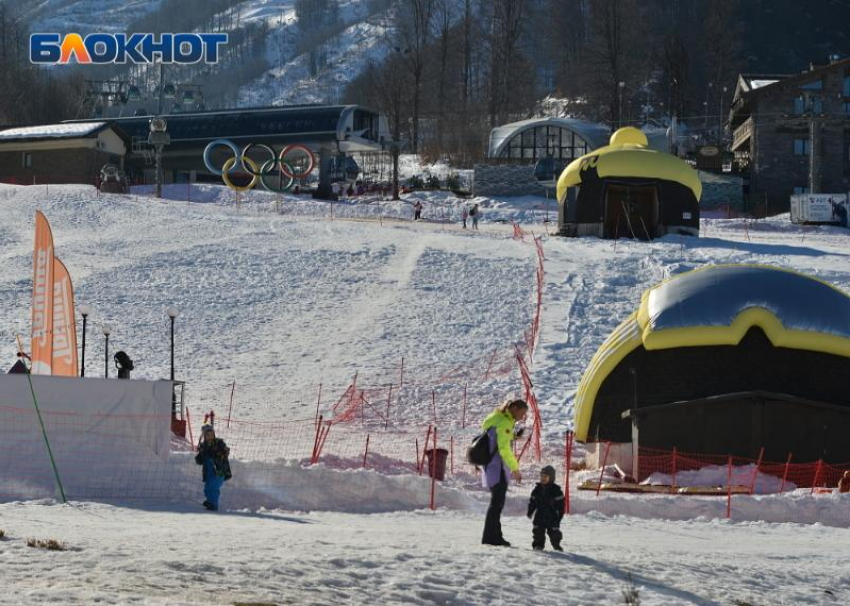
820, 208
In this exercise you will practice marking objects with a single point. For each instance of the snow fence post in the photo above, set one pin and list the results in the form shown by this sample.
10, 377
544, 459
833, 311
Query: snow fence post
416, 440
366, 452
729, 493
389, 398
432, 470
756, 471
316, 440
785, 475
318, 401
674, 469
434, 408
817, 475
424, 449
452, 455
230, 408
568, 455
463, 418
189, 425
602, 471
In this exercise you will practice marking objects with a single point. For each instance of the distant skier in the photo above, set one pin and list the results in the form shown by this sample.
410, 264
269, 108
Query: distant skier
212, 454
474, 213
417, 210
547, 507
463, 215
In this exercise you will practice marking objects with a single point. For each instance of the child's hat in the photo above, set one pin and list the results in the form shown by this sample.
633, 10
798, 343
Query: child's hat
549, 471
207, 428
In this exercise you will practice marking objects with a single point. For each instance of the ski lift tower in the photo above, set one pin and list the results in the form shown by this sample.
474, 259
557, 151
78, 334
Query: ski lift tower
159, 138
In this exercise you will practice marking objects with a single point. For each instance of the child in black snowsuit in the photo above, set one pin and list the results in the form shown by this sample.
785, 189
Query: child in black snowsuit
213, 455
547, 507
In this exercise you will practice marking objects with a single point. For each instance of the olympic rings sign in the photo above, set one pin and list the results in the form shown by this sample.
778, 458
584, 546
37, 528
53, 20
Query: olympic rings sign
277, 162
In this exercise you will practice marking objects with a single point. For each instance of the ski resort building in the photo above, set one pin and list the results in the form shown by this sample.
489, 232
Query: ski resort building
726, 360
60, 153
627, 189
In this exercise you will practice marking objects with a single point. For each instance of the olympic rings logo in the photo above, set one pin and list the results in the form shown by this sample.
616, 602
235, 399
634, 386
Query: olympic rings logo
286, 174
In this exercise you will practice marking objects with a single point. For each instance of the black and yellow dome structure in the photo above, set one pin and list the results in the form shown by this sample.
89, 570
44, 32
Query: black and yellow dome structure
726, 360
626, 189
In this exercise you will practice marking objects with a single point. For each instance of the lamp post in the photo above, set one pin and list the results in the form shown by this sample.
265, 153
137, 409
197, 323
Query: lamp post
172, 314
106, 332
85, 310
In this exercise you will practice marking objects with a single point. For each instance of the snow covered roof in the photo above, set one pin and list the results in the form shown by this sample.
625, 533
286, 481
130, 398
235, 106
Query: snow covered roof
52, 131
595, 135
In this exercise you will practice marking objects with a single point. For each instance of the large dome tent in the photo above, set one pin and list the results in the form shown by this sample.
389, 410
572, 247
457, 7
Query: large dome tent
627, 189
726, 360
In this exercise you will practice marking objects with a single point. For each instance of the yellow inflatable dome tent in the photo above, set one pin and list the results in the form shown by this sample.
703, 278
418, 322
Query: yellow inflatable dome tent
726, 360
627, 190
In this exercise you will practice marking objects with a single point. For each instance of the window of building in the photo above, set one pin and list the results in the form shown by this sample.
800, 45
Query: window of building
817, 105
847, 107
813, 85
801, 190
847, 86
799, 105
801, 147
26, 160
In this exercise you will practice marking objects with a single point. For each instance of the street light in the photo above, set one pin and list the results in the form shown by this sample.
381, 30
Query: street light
172, 313
106, 331
85, 310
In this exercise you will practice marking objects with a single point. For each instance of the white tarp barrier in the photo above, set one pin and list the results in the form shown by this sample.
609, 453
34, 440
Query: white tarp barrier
131, 412
820, 208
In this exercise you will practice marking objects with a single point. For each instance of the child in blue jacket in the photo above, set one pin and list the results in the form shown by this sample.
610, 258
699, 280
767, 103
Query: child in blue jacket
212, 454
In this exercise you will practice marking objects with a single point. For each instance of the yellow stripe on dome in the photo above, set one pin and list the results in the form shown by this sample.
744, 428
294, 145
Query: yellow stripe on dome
628, 156
637, 330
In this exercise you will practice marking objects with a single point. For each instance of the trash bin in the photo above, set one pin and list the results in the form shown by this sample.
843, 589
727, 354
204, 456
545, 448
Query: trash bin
437, 464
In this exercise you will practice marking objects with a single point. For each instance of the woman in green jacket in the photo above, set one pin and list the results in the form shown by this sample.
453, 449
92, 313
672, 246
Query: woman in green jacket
499, 426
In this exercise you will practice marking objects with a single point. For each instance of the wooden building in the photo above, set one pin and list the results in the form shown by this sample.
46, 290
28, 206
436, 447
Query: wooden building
60, 153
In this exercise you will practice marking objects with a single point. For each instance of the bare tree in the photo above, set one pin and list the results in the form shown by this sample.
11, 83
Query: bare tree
414, 22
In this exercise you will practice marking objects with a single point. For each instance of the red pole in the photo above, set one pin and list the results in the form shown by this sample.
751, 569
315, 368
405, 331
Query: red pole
389, 397
366, 453
322, 440
401, 375
316, 440
490, 364
318, 401
785, 475
212, 417
756, 471
674, 469
434, 407
230, 409
433, 471
729, 495
463, 421
602, 471
452, 454
817, 476
424, 449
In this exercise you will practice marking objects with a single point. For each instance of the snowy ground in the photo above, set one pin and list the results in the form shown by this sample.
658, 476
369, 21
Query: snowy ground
147, 555
276, 295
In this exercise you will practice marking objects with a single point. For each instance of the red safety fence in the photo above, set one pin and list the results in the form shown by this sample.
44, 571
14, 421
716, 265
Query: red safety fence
789, 474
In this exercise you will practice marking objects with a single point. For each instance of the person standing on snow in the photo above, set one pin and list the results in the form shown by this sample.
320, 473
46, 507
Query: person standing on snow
464, 214
212, 454
499, 426
547, 506
475, 212
417, 210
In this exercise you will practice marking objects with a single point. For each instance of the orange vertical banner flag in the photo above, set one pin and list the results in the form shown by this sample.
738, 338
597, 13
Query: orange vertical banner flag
64, 323
42, 297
